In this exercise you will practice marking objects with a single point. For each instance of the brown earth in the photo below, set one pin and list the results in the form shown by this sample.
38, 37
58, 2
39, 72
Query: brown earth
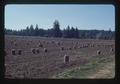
46, 64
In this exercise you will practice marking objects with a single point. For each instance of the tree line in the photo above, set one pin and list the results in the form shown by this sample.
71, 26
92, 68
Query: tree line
68, 32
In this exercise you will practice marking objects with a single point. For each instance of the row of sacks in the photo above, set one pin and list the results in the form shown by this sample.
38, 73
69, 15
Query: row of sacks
33, 50
95, 45
36, 51
67, 57
16, 52
19, 51
99, 52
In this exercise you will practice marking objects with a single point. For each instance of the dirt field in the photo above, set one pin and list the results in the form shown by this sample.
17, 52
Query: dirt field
45, 64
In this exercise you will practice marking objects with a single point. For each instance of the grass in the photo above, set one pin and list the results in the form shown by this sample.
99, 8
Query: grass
100, 67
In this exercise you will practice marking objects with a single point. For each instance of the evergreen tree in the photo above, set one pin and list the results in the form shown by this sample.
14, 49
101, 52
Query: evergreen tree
27, 33
50, 32
76, 33
36, 32
72, 32
56, 29
64, 33
68, 32
41, 32
31, 32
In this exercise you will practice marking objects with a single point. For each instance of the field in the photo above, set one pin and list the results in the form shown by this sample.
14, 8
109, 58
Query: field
43, 57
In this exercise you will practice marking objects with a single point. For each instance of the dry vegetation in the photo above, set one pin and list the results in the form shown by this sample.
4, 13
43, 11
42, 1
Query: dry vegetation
38, 57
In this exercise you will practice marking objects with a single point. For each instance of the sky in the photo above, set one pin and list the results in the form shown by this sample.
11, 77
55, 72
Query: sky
84, 17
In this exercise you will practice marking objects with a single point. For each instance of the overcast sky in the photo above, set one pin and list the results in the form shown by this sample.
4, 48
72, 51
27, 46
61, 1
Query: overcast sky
101, 17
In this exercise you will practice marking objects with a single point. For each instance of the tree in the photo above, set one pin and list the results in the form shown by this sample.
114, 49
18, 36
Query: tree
27, 33
31, 32
56, 29
72, 33
68, 31
50, 32
64, 33
99, 35
36, 32
76, 33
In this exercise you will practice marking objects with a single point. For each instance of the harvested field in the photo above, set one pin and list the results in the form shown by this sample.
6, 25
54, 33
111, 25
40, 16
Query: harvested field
42, 57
